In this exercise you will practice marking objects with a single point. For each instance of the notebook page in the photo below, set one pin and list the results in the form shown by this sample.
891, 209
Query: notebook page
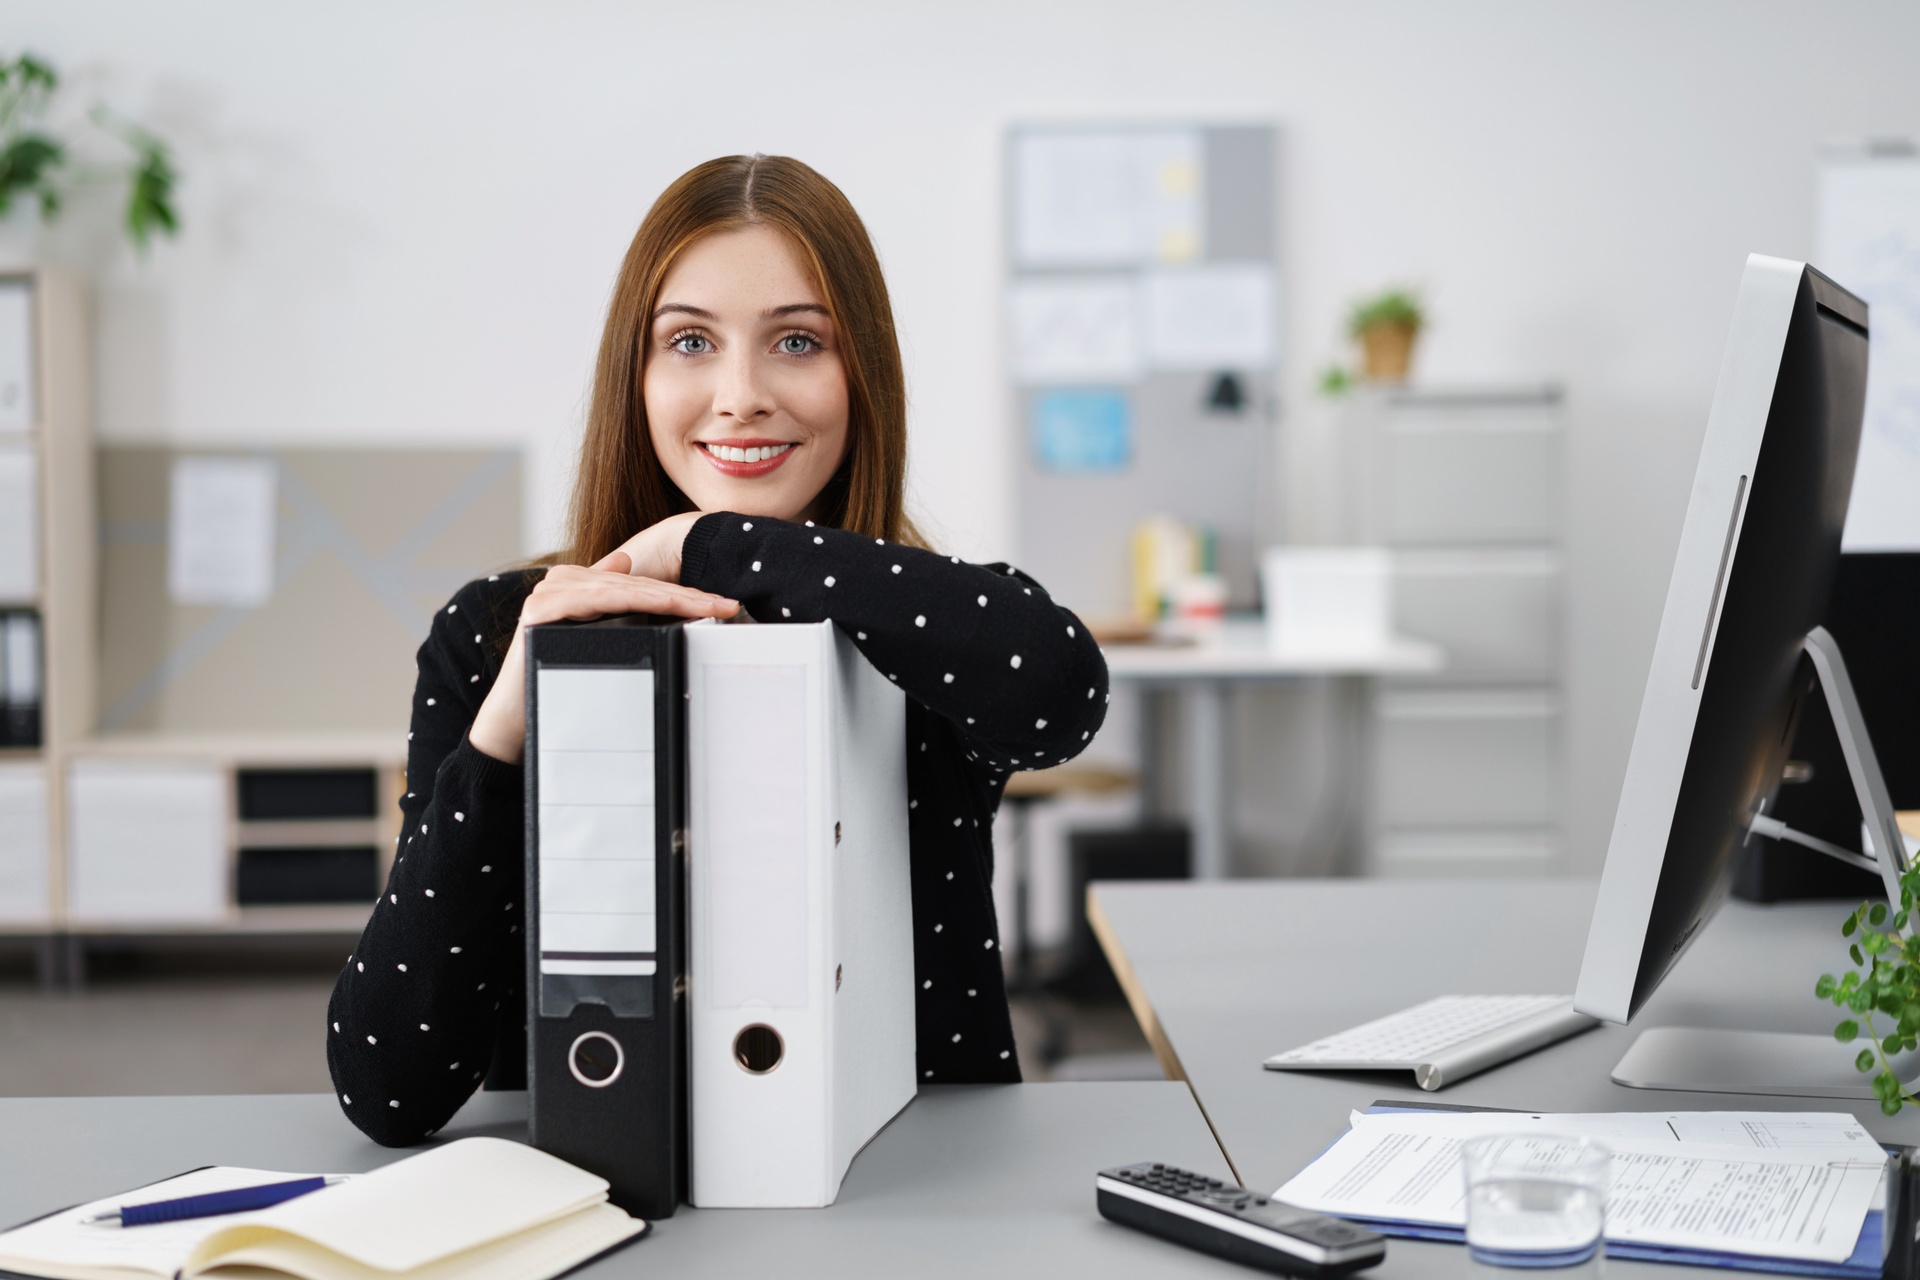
65, 1244
536, 1254
443, 1201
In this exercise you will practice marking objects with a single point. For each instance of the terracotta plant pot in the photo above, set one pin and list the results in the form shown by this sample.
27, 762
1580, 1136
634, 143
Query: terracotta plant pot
1387, 351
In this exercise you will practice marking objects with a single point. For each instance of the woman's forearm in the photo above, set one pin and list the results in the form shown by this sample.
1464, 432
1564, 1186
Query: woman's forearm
980, 645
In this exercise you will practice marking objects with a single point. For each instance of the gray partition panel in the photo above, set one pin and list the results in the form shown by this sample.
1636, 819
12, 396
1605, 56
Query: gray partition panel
369, 542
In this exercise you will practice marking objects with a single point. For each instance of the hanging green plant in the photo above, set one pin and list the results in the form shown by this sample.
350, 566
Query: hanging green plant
38, 165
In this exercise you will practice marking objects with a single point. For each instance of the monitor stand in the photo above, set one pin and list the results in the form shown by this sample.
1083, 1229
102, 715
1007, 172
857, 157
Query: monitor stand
1777, 1063
1709, 1060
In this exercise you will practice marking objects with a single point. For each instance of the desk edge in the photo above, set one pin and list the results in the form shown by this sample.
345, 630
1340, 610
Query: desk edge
1143, 1014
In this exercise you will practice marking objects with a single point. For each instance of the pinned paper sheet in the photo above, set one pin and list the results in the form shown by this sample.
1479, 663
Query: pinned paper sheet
1083, 431
1869, 240
220, 531
1091, 198
1211, 317
16, 355
1073, 330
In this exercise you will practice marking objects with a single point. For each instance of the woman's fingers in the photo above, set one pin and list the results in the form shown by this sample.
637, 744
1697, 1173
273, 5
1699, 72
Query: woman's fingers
615, 561
569, 592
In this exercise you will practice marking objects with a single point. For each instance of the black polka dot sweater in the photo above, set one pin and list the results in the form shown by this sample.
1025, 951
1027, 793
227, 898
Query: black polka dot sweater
998, 678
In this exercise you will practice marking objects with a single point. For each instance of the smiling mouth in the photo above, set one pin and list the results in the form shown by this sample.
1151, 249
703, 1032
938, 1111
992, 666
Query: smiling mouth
755, 453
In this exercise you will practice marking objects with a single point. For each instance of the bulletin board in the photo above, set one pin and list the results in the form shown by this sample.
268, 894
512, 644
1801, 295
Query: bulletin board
360, 547
1142, 317
1868, 239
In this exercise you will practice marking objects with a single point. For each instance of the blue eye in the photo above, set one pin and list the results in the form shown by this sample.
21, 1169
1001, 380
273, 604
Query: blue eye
691, 344
796, 344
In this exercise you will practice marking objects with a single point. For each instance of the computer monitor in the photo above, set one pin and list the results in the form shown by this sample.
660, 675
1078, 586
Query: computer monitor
1738, 653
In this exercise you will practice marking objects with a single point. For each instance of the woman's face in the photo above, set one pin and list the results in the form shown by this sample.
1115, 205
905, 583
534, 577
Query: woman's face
745, 391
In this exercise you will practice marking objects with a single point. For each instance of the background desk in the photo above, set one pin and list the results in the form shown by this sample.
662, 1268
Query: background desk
982, 1180
1224, 976
1202, 674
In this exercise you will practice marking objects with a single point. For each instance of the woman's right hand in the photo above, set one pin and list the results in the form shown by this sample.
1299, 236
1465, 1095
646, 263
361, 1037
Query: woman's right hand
571, 593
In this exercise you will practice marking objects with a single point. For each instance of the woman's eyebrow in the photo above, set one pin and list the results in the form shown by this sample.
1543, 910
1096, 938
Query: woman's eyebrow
684, 309
796, 308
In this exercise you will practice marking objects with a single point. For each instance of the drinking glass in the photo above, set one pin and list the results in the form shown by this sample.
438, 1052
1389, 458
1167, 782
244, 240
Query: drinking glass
1534, 1200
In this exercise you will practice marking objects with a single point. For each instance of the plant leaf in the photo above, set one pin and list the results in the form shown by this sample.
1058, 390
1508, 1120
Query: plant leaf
1847, 1030
1865, 1061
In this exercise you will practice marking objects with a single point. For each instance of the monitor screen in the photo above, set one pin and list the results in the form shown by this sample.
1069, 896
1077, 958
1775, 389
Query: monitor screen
1756, 562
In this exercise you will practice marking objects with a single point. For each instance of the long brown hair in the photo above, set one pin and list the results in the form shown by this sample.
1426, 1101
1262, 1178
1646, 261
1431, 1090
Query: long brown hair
621, 487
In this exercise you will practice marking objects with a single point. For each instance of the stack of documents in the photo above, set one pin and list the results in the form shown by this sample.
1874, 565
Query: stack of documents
1775, 1191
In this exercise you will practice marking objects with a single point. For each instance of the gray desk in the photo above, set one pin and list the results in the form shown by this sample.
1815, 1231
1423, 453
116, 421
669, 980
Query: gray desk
968, 1181
1225, 975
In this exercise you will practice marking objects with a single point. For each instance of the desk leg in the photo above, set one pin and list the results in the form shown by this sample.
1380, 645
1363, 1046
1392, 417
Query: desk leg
1148, 703
1358, 706
1207, 792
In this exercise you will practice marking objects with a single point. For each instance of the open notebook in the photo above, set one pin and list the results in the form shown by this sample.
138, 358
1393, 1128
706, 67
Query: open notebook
478, 1209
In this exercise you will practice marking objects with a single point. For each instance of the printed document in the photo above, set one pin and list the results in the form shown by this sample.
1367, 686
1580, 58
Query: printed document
1779, 1185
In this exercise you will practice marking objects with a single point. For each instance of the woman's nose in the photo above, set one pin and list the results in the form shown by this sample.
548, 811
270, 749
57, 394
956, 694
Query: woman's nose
742, 393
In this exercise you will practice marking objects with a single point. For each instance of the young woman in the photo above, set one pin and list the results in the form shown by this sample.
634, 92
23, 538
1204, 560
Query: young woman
745, 449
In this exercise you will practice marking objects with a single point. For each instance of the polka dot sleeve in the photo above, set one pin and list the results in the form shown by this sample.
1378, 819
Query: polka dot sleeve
981, 646
430, 996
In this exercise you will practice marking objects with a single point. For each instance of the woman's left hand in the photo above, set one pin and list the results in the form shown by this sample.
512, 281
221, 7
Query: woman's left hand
654, 552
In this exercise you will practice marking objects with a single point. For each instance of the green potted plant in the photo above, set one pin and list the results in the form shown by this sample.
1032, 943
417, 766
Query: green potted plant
39, 165
1883, 990
1385, 326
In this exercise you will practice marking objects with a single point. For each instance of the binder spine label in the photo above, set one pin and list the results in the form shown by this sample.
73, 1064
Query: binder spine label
755, 856
597, 837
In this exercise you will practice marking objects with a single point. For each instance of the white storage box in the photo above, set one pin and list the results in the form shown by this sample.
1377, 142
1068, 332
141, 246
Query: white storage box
1328, 599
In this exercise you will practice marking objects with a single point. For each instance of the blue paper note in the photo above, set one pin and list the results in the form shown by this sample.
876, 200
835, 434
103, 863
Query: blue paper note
1083, 431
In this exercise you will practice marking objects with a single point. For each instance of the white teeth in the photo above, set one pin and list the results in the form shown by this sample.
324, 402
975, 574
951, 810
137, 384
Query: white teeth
759, 453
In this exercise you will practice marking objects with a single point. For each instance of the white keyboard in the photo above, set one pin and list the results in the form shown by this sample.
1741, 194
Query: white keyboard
1442, 1040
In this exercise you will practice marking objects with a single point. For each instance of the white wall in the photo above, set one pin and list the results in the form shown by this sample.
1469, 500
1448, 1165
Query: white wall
402, 220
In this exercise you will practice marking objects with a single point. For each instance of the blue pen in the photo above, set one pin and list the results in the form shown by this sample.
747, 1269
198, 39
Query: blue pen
212, 1204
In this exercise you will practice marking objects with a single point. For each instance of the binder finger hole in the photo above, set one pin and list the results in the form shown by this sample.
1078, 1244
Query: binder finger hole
758, 1049
596, 1059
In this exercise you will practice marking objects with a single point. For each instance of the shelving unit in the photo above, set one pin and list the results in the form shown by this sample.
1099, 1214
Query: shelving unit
138, 835
1467, 487
222, 762
50, 393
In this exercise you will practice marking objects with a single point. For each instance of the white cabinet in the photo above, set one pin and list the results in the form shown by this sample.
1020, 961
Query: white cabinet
1467, 758
1462, 469
1496, 611
1468, 490
148, 843
23, 844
